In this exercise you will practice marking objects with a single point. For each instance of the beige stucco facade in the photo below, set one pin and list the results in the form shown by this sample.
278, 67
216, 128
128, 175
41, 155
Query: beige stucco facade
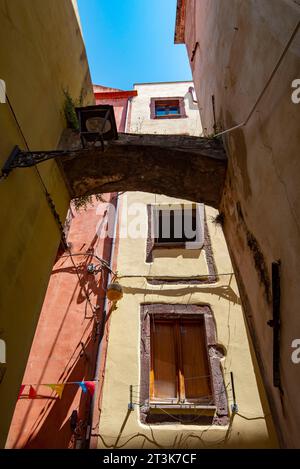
234, 48
252, 426
140, 121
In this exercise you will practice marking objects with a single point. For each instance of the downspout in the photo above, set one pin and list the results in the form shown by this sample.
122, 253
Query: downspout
102, 336
109, 277
193, 94
127, 121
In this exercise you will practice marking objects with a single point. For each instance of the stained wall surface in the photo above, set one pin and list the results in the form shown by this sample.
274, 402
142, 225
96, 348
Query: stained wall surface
140, 111
233, 49
120, 427
65, 344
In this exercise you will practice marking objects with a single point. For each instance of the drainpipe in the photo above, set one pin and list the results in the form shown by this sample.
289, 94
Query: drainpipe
100, 346
193, 94
109, 277
127, 123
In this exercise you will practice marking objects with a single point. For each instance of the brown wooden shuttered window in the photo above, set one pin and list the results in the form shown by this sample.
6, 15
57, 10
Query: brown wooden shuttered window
179, 363
164, 370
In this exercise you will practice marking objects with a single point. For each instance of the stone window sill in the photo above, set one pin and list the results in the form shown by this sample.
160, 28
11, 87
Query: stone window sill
156, 408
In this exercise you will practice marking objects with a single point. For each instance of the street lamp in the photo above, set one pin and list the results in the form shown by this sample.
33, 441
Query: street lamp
97, 123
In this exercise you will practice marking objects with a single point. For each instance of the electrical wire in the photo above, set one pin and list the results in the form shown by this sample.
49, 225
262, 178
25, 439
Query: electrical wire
47, 194
192, 377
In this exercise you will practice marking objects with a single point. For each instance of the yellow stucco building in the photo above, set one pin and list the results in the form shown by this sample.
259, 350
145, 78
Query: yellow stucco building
178, 336
42, 54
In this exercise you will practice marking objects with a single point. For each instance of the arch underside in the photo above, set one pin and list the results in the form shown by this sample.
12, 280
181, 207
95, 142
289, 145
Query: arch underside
191, 168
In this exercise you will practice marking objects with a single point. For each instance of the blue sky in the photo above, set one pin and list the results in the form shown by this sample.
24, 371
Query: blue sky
132, 41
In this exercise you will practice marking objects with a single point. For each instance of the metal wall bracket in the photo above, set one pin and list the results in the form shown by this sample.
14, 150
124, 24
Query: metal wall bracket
96, 125
25, 159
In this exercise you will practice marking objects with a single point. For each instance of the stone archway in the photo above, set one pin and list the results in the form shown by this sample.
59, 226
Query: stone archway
185, 167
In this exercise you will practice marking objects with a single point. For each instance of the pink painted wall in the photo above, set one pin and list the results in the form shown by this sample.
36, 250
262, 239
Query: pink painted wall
67, 321
120, 108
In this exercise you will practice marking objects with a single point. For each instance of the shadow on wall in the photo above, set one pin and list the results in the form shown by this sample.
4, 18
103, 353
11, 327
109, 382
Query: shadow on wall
89, 285
182, 440
52, 417
225, 292
192, 104
173, 253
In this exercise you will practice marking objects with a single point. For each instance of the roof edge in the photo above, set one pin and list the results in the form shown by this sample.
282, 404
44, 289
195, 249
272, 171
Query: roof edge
162, 82
115, 94
180, 22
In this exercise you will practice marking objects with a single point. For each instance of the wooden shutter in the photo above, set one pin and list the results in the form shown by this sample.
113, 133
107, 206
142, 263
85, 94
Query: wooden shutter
163, 381
179, 361
194, 360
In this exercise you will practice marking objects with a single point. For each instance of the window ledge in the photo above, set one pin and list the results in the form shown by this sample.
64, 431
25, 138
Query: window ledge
170, 117
182, 408
179, 245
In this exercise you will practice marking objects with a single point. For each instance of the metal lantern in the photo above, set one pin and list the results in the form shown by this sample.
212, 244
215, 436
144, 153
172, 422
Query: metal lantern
97, 123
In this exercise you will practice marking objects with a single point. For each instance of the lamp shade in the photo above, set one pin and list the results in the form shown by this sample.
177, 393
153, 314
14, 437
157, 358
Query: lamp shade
96, 121
114, 291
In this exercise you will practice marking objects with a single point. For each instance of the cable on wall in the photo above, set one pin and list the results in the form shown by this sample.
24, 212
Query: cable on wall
47, 194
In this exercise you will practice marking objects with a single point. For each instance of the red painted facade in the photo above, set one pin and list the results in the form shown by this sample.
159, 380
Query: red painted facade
118, 99
70, 329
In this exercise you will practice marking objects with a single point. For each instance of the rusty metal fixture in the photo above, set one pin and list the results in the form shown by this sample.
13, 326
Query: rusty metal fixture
97, 123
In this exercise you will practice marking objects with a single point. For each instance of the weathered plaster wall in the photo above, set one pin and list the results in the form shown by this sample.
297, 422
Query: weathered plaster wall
120, 428
120, 110
239, 44
66, 321
42, 53
140, 121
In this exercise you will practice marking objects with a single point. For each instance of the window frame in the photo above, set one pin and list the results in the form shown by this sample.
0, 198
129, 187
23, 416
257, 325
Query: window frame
150, 412
181, 398
181, 105
151, 244
195, 244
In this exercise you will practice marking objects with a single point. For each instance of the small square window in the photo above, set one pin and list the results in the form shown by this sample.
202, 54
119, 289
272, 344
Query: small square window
167, 108
178, 225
